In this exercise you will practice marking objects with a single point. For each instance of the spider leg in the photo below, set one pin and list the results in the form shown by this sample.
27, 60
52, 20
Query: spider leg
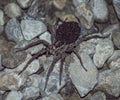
51, 69
79, 57
88, 37
40, 53
45, 43
61, 70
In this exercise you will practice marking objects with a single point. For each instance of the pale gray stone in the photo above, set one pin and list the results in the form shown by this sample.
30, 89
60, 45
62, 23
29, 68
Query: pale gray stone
114, 60
111, 29
12, 81
116, 4
109, 81
85, 15
13, 30
32, 28
100, 10
116, 38
12, 10
98, 96
53, 97
46, 36
14, 95
24, 3
31, 92
77, 2
84, 81
104, 50
1, 17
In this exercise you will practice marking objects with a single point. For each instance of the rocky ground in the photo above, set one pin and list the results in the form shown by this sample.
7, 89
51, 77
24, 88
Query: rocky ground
25, 21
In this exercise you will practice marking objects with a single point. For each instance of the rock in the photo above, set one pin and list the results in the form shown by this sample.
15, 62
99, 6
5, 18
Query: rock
59, 4
1, 17
5, 46
31, 92
116, 4
104, 50
1, 29
84, 81
12, 81
14, 95
46, 36
88, 47
24, 3
77, 2
109, 81
111, 29
85, 15
13, 30
38, 8
12, 59
12, 10
116, 38
5, 2
53, 97
114, 61
68, 18
98, 96
32, 28
100, 10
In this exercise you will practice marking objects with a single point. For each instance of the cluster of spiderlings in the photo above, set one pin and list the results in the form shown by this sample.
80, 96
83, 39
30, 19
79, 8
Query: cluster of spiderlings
68, 32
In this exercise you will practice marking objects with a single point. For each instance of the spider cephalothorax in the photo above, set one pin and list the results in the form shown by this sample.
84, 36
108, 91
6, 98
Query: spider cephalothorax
66, 39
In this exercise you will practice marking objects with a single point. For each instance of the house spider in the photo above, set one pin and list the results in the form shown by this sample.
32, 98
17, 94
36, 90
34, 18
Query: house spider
67, 37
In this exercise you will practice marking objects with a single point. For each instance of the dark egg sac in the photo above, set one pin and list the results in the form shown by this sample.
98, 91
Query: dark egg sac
68, 32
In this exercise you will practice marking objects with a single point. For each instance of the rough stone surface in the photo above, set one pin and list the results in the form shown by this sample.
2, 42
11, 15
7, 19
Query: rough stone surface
83, 80
110, 82
32, 28
111, 29
12, 10
1, 17
85, 15
116, 38
13, 30
98, 96
12, 81
77, 2
12, 59
116, 4
104, 50
100, 10
14, 95
31, 92
24, 3
114, 60
53, 97
46, 36
1, 29
5, 46
59, 4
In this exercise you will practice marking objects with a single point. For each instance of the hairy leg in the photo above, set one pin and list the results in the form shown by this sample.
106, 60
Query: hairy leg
61, 70
55, 59
78, 56
45, 43
40, 53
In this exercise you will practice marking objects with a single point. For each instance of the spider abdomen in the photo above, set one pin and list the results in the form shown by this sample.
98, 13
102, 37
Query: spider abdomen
68, 32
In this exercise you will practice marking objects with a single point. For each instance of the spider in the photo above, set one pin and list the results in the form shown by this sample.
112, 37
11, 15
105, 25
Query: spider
67, 38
